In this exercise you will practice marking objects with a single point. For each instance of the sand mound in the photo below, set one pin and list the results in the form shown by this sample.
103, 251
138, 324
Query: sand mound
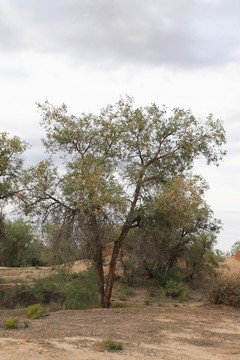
231, 265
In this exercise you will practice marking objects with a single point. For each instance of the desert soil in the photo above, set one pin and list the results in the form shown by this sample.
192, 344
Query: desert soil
171, 331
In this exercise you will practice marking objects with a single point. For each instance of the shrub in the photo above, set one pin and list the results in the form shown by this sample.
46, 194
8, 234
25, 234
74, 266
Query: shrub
82, 291
151, 291
110, 344
147, 302
176, 290
225, 290
36, 311
11, 324
164, 276
123, 297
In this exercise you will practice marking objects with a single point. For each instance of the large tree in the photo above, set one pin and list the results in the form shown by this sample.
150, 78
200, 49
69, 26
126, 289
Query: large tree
111, 164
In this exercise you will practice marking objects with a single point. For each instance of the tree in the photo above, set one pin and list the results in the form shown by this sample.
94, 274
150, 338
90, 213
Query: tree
235, 248
177, 223
112, 163
21, 247
11, 149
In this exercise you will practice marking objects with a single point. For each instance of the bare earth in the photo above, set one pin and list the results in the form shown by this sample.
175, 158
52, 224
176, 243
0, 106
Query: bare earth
192, 331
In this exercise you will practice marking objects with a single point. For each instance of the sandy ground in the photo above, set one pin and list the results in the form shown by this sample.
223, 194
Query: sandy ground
171, 331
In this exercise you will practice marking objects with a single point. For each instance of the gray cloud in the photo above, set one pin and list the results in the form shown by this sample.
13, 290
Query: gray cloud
154, 32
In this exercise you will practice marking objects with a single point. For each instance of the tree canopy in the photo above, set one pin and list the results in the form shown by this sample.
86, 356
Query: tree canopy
112, 164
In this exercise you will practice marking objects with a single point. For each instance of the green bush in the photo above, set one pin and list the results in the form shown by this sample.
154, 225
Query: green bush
82, 291
151, 291
176, 290
11, 324
164, 276
225, 290
110, 344
123, 297
147, 302
36, 311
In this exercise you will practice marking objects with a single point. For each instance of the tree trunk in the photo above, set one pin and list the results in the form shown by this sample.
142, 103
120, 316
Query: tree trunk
112, 266
99, 263
3, 240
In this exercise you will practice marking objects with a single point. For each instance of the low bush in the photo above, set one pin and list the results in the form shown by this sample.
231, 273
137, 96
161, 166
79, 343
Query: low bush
147, 302
110, 344
225, 290
176, 290
36, 311
82, 291
152, 291
11, 324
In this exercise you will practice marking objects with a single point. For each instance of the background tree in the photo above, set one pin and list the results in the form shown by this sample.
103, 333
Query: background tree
235, 248
11, 149
177, 224
112, 163
22, 247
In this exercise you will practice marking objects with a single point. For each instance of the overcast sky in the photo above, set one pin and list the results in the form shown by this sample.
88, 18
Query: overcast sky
86, 53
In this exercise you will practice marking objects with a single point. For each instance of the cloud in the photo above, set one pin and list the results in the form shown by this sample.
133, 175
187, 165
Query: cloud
186, 33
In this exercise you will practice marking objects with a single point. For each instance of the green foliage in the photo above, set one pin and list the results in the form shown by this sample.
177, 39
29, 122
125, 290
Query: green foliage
71, 291
225, 290
82, 291
11, 324
11, 163
176, 290
120, 149
36, 311
123, 297
219, 255
200, 260
152, 291
110, 344
235, 248
147, 302
26, 324
164, 276
20, 247
177, 224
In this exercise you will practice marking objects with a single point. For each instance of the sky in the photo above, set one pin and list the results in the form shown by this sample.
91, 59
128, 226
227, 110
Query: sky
87, 54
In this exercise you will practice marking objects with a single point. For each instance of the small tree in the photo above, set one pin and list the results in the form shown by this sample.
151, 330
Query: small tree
112, 163
21, 247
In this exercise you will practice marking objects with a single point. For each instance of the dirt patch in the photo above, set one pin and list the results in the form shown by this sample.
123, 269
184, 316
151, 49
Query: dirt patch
188, 332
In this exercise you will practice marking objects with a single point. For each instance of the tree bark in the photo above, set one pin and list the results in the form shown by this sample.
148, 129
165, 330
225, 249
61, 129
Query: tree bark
119, 242
3, 240
112, 266
99, 264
